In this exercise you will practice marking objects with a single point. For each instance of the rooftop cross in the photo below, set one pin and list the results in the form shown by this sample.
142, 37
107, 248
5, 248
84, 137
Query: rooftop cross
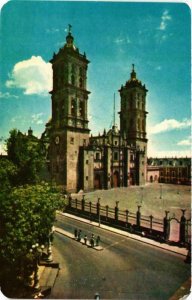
69, 28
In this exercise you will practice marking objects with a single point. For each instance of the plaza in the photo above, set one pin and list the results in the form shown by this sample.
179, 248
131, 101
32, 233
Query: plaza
154, 199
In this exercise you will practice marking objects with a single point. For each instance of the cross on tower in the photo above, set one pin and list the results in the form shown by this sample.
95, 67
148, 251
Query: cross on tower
69, 28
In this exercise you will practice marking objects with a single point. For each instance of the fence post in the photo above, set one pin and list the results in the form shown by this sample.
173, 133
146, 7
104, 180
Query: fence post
182, 227
98, 206
107, 211
166, 226
138, 216
151, 222
90, 208
69, 201
116, 211
83, 203
127, 213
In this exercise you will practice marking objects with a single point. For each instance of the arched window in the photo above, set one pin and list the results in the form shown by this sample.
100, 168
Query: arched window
81, 108
72, 79
80, 71
73, 107
80, 82
138, 124
143, 125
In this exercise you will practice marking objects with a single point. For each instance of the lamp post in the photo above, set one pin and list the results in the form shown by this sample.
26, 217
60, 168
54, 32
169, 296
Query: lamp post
37, 251
99, 213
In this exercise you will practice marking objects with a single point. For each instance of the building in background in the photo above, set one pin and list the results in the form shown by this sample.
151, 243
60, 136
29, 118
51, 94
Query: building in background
77, 160
169, 170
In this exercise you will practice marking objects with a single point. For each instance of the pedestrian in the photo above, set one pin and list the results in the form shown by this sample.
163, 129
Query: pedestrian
75, 233
98, 240
92, 241
79, 235
85, 239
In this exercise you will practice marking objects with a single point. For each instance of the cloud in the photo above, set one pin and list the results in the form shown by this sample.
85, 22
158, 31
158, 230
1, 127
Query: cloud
165, 18
186, 142
167, 153
158, 68
122, 40
36, 118
7, 95
3, 149
34, 76
52, 30
168, 125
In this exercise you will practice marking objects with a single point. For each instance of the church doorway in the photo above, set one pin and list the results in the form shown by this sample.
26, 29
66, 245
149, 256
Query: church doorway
97, 182
116, 179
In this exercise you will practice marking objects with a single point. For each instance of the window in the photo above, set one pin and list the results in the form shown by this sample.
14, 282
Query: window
87, 162
73, 104
81, 108
80, 71
97, 155
84, 142
87, 177
143, 125
138, 124
116, 143
72, 140
72, 79
80, 82
116, 155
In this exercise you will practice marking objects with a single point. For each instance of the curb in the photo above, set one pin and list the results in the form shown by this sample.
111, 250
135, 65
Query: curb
174, 249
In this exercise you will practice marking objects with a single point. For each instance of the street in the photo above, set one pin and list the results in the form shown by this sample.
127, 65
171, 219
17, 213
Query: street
124, 269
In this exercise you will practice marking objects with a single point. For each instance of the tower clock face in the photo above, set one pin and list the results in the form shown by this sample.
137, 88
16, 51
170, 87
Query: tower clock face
57, 140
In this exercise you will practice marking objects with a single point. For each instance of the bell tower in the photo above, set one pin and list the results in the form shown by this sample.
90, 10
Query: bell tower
133, 120
69, 126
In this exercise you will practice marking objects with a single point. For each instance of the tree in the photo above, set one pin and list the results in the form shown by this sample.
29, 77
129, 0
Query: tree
27, 214
28, 153
8, 173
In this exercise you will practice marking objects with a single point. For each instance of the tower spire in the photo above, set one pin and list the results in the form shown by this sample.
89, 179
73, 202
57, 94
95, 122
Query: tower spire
69, 38
133, 73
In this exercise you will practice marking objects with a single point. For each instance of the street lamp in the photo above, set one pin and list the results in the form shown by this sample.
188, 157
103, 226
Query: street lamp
36, 250
99, 214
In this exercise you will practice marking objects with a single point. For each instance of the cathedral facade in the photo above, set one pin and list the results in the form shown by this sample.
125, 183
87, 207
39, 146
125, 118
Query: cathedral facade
78, 160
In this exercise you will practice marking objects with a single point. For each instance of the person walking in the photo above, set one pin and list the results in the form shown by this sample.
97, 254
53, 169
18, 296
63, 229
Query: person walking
75, 233
92, 241
85, 239
79, 235
98, 240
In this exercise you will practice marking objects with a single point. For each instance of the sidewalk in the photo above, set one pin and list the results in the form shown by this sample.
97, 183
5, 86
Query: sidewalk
174, 249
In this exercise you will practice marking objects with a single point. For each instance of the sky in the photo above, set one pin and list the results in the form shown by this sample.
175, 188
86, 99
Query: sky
155, 37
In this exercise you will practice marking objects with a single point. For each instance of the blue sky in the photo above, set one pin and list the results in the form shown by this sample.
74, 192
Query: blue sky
153, 36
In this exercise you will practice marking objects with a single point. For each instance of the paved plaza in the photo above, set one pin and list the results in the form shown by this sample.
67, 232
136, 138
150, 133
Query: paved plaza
154, 199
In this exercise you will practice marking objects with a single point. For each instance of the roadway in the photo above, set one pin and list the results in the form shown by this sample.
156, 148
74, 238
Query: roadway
124, 269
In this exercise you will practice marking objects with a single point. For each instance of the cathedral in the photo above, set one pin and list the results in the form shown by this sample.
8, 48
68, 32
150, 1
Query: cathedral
76, 159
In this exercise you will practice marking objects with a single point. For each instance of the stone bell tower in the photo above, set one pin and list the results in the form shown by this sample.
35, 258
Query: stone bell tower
69, 128
133, 121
